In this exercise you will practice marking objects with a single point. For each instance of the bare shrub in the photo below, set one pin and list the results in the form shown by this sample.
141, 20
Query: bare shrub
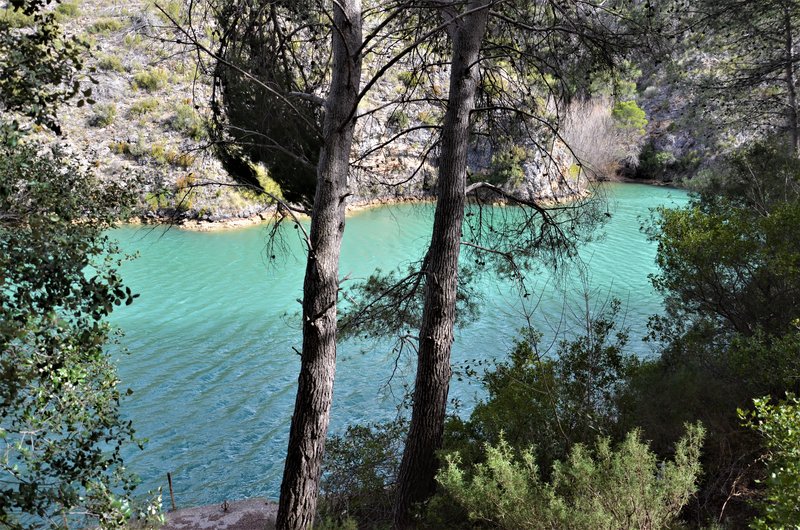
599, 141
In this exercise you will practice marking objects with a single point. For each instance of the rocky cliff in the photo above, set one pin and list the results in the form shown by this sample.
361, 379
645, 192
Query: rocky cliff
148, 125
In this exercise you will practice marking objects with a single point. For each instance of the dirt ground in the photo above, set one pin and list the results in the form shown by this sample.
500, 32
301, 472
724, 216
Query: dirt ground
249, 514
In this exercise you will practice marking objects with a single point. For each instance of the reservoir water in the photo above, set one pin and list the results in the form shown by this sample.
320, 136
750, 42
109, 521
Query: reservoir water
212, 336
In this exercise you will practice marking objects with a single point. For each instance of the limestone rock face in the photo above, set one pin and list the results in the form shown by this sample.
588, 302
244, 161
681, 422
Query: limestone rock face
147, 126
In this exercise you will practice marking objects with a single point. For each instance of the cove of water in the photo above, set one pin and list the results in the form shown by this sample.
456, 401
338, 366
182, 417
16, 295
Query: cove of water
212, 336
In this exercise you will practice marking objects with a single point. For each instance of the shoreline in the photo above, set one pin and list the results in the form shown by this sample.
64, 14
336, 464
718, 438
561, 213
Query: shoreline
267, 215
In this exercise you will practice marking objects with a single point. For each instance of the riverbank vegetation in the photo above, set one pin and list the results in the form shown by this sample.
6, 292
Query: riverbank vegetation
728, 340
522, 102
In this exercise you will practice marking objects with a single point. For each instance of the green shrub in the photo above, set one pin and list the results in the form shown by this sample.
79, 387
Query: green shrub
105, 26
151, 80
605, 488
143, 106
120, 147
132, 40
15, 18
157, 201
399, 120
110, 63
654, 164
779, 426
551, 402
427, 117
267, 183
629, 116
506, 166
159, 152
173, 8
189, 122
409, 79
67, 10
103, 114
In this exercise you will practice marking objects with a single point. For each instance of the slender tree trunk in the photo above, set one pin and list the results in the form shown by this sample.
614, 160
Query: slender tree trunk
790, 79
299, 489
418, 468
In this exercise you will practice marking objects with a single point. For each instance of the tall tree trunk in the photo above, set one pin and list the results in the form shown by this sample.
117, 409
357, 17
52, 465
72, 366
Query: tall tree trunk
299, 489
418, 468
790, 79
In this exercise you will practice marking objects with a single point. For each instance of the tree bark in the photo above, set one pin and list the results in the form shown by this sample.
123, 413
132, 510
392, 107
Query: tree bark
791, 113
418, 468
309, 429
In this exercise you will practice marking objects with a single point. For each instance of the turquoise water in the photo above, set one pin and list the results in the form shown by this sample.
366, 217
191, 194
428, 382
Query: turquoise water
211, 337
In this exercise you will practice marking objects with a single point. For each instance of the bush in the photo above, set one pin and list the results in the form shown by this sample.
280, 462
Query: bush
179, 159
506, 166
654, 164
409, 79
15, 18
103, 114
615, 489
62, 432
174, 10
188, 121
779, 427
151, 80
68, 10
105, 26
550, 403
110, 63
143, 106
629, 116
399, 120
360, 470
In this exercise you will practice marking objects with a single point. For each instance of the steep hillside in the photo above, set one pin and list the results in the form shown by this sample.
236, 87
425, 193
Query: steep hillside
148, 125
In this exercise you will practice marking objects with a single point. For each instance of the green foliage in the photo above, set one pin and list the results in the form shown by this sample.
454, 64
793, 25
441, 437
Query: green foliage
143, 106
730, 265
103, 114
506, 166
333, 523
427, 117
110, 63
172, 9
38, 64
62, 432
104, 26
550, 403
409, 79
291, 126
68, 9
605, 488
654, 164
730, 274
399, 120
779, 427
13, 18
360, 467
268, 184
619, 83
151, 80
180, 159
628, 116
188, 121
158, 201
755, 177
132, 40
